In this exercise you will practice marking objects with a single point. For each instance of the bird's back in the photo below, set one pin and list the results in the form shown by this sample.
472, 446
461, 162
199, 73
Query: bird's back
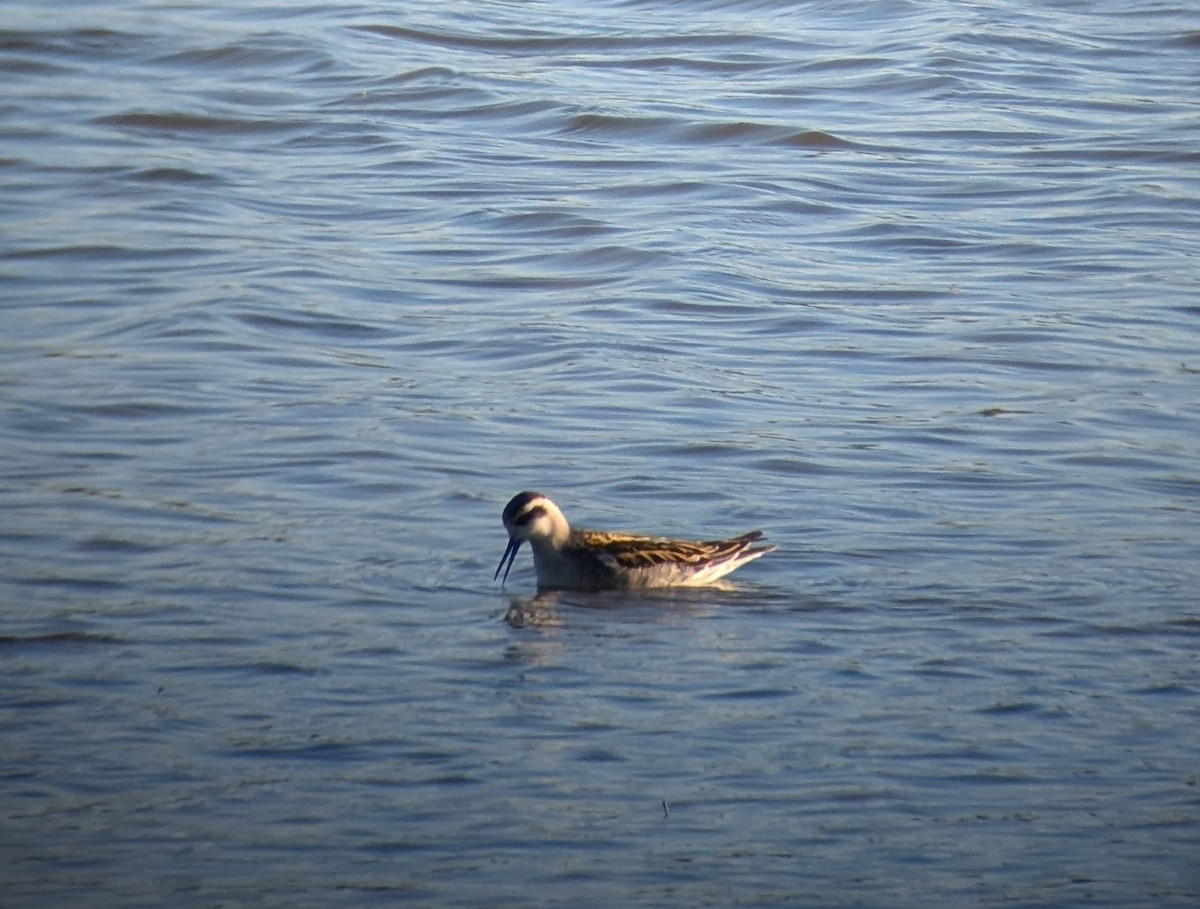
629, 560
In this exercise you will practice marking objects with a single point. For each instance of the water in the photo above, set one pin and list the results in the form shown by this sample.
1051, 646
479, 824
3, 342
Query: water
296, 297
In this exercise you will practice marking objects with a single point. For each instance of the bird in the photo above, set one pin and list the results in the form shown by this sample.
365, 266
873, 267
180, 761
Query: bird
569, 558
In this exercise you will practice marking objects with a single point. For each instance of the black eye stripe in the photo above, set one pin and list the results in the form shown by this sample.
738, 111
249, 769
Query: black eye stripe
526, 516
520, 502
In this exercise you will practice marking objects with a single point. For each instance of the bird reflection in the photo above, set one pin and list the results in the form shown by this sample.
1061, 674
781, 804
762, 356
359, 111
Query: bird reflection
539, 612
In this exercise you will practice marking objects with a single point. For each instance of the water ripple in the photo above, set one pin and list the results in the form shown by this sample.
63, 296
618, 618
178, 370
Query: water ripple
298, 296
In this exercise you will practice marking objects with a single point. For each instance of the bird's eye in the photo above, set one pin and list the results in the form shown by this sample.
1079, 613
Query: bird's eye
526, 516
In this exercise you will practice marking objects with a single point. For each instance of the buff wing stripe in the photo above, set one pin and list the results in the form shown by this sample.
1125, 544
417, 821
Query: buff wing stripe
630, 551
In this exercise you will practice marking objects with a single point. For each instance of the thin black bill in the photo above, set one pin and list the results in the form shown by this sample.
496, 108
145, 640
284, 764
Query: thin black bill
510, 555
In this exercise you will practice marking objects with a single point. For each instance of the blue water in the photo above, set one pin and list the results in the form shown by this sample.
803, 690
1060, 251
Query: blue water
295, 298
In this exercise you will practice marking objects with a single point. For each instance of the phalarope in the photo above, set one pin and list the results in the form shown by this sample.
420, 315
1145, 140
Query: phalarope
575, 559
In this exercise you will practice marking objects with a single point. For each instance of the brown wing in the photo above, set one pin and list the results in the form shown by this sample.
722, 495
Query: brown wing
631, 551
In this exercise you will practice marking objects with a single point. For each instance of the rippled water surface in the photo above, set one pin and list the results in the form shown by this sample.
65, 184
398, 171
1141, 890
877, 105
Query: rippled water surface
295, 297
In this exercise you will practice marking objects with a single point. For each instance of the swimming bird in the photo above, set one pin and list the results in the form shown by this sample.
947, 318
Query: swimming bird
576, 559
